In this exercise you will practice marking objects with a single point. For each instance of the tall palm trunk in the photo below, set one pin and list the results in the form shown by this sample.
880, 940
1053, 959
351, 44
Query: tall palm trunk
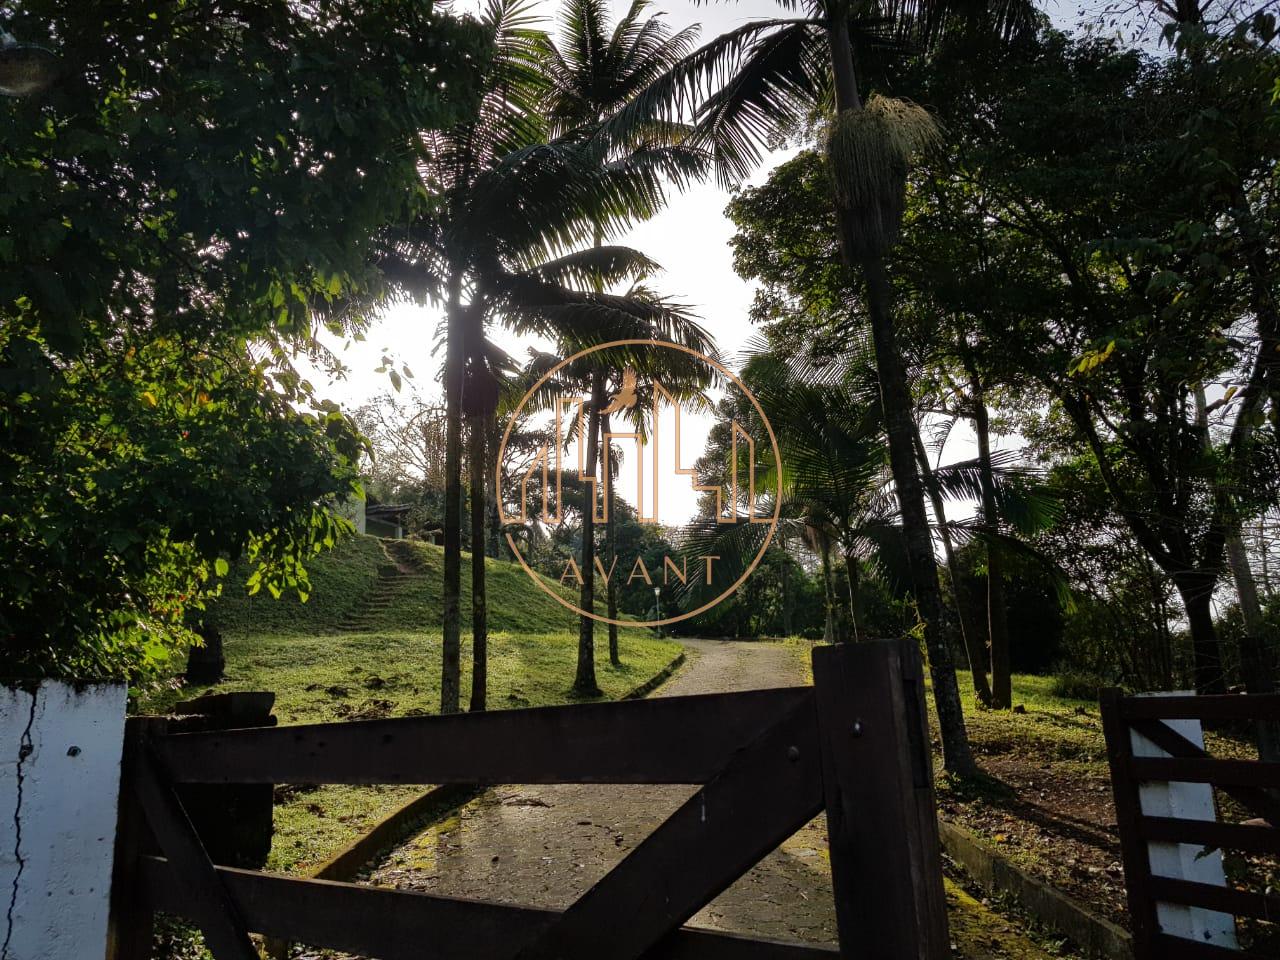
837, 626
997, 616
785, 573
1256, 666
478, 427
975, 653
451, 644
900, 424
855, 625
584, 683
1263, 544
611, 554
828, 596
493, 543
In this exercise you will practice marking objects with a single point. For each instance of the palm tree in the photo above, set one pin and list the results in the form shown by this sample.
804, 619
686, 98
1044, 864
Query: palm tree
831, 477
512, 200
757, 83
685, 377
594, 72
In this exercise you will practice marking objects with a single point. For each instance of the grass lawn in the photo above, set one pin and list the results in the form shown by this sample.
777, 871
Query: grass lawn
320, 673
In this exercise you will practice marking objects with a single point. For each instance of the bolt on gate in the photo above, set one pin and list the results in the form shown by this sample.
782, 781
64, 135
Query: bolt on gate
854, 745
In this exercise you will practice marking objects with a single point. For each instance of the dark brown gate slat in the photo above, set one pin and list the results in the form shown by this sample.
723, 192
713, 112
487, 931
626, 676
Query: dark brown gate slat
402, 925
764, 794
1242, 903
890, 901
131, 923
640, 741
224, 933
1180, 948
1233, 773
1233, 836
762, 756
1224, 706
1133, 849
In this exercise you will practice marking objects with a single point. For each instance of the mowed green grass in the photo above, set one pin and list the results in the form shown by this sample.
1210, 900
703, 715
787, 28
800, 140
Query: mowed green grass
342, 579
322, 674
1052, 727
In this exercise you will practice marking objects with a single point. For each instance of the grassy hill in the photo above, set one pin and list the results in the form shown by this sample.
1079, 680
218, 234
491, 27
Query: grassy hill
366, 645
345, 580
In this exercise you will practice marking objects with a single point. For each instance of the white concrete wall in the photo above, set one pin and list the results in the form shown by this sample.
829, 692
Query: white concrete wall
59, 780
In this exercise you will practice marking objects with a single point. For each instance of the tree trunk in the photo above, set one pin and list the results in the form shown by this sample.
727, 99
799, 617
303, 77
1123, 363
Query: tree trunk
974, 652
1256, 666
1264, 553
611, 555
786, 591
851, 568
1196, 590
1162, 670
840, 632
451, 642
896, 400
1255, 663
997, 618
832, 631
206, 663
493, 543
900, 423
478, 456
584, 683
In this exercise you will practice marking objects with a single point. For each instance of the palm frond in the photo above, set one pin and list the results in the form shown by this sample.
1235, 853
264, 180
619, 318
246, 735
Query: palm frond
776, 84
605, 266
1023, 501
678, 92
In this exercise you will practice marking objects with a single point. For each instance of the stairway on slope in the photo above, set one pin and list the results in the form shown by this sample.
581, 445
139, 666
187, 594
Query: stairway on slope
401, 574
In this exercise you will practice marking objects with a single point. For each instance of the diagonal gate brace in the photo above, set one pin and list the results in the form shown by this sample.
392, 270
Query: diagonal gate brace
767, 791
218, 919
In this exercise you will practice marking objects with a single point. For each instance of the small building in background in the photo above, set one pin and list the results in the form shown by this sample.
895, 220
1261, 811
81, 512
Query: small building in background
386, 520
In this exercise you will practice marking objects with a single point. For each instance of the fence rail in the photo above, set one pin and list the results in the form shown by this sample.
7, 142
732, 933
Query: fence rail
636, 741
854, 745
1248, 782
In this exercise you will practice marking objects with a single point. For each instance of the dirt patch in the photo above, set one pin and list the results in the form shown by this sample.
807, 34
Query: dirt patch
1057, 822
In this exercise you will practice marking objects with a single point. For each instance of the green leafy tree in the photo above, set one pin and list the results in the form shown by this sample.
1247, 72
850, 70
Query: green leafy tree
177, 209
1163, 302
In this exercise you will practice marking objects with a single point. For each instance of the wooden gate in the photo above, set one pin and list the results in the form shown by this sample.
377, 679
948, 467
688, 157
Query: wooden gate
855, 745
1250, 783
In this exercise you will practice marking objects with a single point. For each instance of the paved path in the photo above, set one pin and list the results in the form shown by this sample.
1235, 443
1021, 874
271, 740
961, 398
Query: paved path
546, 845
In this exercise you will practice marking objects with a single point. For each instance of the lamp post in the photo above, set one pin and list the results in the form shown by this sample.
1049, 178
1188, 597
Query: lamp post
657, 606
25, 68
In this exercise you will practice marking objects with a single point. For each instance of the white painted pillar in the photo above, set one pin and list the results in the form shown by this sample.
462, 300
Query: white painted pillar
60, 753
1184, 861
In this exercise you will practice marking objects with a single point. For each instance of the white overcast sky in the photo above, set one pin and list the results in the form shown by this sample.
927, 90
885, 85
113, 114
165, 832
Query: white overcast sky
690, 239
